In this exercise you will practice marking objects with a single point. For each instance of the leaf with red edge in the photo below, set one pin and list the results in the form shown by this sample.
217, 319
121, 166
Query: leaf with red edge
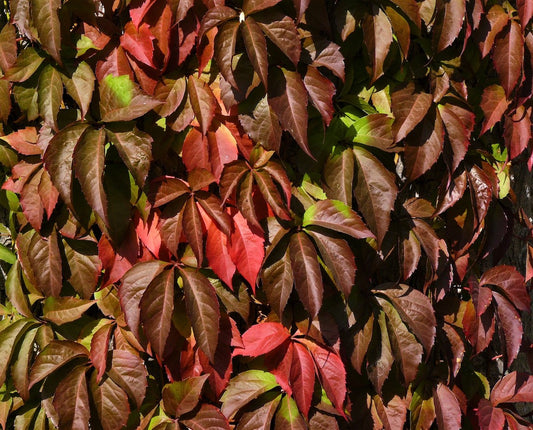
207, 418
100, 349
246, 249
375, 192
45, 18
218, 255
134, 284
511, 282
71, 400
45, 259
490, 418
47, 193
511, 325
517, 133
321, 90
494, 104
496, 19
256, 48
24, 141
306, 272
202, 309
139, 42
262, 338
452, 23
479, 330
181, 397
378, 38
513, 387
30, 200
231, 176
203, 102
409, 108
157, 305
193, 228
110, 401
447, 408
302, 378
282, 31
457, 348
508, 55
8, 47
288, 98
214, 17
329, 56
331, 372
89, 162
54, 356
429, 240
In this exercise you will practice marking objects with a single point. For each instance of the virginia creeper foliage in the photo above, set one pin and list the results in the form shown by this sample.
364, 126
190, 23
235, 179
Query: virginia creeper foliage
264, 214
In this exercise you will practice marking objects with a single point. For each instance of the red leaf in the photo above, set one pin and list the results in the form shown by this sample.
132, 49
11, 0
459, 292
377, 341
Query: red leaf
222, 149
409, 108
330, 57
511, 282
494, 104
203, 102
393, 414
490, 418
321, 90
24, 141
525, 11
302, 378
511, 325
193, 228
513, 387
497, 19
378, 38
263, 338
246, 250
452, 23
508, 55
139, 43
30, 201
111, 403
458, 135
256, 48
71, 400
447, 408
517, 133
218, 255
480, 186
282, 31
99, 349
264, 127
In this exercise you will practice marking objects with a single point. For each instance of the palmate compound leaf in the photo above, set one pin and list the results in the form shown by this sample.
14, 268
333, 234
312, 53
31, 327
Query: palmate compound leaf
203, 310
71, 400
375, 192
181, 397
245, 387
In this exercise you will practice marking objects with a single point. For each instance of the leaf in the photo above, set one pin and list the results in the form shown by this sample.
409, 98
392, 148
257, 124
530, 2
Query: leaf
45, 18
277, 280
375, 130
508, 55
20, 366
260, 418
511, 325
282, 31
256, 48
14, 292
378, 38
246, 250
214, 17
264, 126
306, 272
207, 418
9, 339
111, 403
263, 338
513, 387
252, 6
129, 372
338, 176
71, 400
497, 18
218, 254
134, 284
54, 356
452, 23
321, 90
302, 378
494, 104
361, 343
62, 310
50, 93
517, 131
288, 416
378, 371
28, 61
490, 418
171, 93
80, 86
167, 189
48, 193
100, 348
271, 194
447, 408
225, 42
8, 47
45, 259
182, 396
122, 100
375, 192
203, 310
157, 305
525, 11
134, 147
511, 282
338, 258
409, 108
84, 266
203, 102
331, 58
393, 414
222, 149
288, 99
58, 158
245, 387
193, 229
480, 187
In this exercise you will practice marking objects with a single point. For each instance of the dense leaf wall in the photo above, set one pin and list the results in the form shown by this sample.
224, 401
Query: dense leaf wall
264, 213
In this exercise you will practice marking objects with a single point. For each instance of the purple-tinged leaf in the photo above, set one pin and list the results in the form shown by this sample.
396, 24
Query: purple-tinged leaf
89, 162
508, 55
203, 310
134, 284
207, 418
447, 408
409, 108
157, 305
410, 255
391, 415
260, 418
429, 240
517, 133
338, 176
225, 42
321, 90
288, 98
245, 387
481, 190
54, 356
525, 11
45, 259
458, 135
203, 102
378, 38
181, 397
497, 18
282, 31
193, 228
129, 372
513, 387
457, 348
306, 272
511, 282
330, 57
71, 400
45, 18
490, 418
375, 192
494, 104
110, 401
451, 193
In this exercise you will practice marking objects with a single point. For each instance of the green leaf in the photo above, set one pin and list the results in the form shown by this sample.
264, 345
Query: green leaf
9, 339
46, 20
245, 387
288, 417
50, 95
27, 63
203, 310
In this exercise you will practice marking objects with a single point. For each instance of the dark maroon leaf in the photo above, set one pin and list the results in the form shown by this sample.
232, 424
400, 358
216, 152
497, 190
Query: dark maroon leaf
508, 55
409, 108
277, 280
282, 31
252, 6
255, 44
511, 282
225, 42
378, 38
321, 90
511, 325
